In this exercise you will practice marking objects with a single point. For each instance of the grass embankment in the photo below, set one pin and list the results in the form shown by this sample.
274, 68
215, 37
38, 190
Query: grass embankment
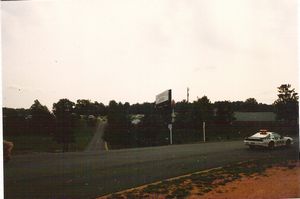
200, 183
226, 132
45, 143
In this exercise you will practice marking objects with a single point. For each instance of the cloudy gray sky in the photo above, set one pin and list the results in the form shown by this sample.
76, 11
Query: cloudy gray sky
132, 50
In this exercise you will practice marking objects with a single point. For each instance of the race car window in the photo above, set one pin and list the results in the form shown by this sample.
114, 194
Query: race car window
276, 136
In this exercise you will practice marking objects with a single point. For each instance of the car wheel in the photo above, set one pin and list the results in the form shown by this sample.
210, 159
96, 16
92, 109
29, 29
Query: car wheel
271, 145
288, 143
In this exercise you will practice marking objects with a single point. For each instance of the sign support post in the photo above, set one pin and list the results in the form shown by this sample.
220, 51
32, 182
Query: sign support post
171, 134
164, 102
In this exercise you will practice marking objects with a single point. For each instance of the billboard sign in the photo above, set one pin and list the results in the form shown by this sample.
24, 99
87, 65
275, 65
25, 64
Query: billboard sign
164, 98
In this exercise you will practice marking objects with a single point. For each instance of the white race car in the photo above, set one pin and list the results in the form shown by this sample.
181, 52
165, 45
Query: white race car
264, 138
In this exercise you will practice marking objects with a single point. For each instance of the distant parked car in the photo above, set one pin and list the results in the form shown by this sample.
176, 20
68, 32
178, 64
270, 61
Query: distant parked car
267, 139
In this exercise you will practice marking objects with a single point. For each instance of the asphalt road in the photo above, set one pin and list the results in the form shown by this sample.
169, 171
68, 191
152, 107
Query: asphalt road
92, 174
97, 143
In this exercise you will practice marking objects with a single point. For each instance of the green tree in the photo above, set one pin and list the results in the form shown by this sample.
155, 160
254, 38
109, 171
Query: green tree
117, 132
15, 122
184, 112
192, 115
65, 122
250, 105
286, 106
41, 120
99, 109
145, 108
224, 112
84, 107
202, 111
152, 130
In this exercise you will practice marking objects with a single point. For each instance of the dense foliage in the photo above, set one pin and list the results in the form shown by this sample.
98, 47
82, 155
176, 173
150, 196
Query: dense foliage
286, 106
118, 126
152, 128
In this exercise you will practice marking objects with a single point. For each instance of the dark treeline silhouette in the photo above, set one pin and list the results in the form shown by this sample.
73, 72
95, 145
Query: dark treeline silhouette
38, 114
59, 124
152, 126
286, 106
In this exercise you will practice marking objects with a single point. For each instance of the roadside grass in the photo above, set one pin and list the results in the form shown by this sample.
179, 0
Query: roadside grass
32, 143
29, 143
200, 183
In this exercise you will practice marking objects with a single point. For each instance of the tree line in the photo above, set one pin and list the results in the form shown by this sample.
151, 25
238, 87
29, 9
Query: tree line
151, 130
59, 123
219, 117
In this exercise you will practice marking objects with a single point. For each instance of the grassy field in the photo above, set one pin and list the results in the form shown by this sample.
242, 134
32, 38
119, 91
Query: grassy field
45, 143
32, 143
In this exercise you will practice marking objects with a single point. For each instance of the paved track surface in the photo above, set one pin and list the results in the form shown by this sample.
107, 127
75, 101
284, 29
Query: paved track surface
97, 144
92, 174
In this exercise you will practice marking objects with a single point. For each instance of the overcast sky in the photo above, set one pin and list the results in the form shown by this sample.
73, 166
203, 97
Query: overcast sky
132, 50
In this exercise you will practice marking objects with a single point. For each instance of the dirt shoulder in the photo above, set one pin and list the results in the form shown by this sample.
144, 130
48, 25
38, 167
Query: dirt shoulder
253, 179
276, 182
